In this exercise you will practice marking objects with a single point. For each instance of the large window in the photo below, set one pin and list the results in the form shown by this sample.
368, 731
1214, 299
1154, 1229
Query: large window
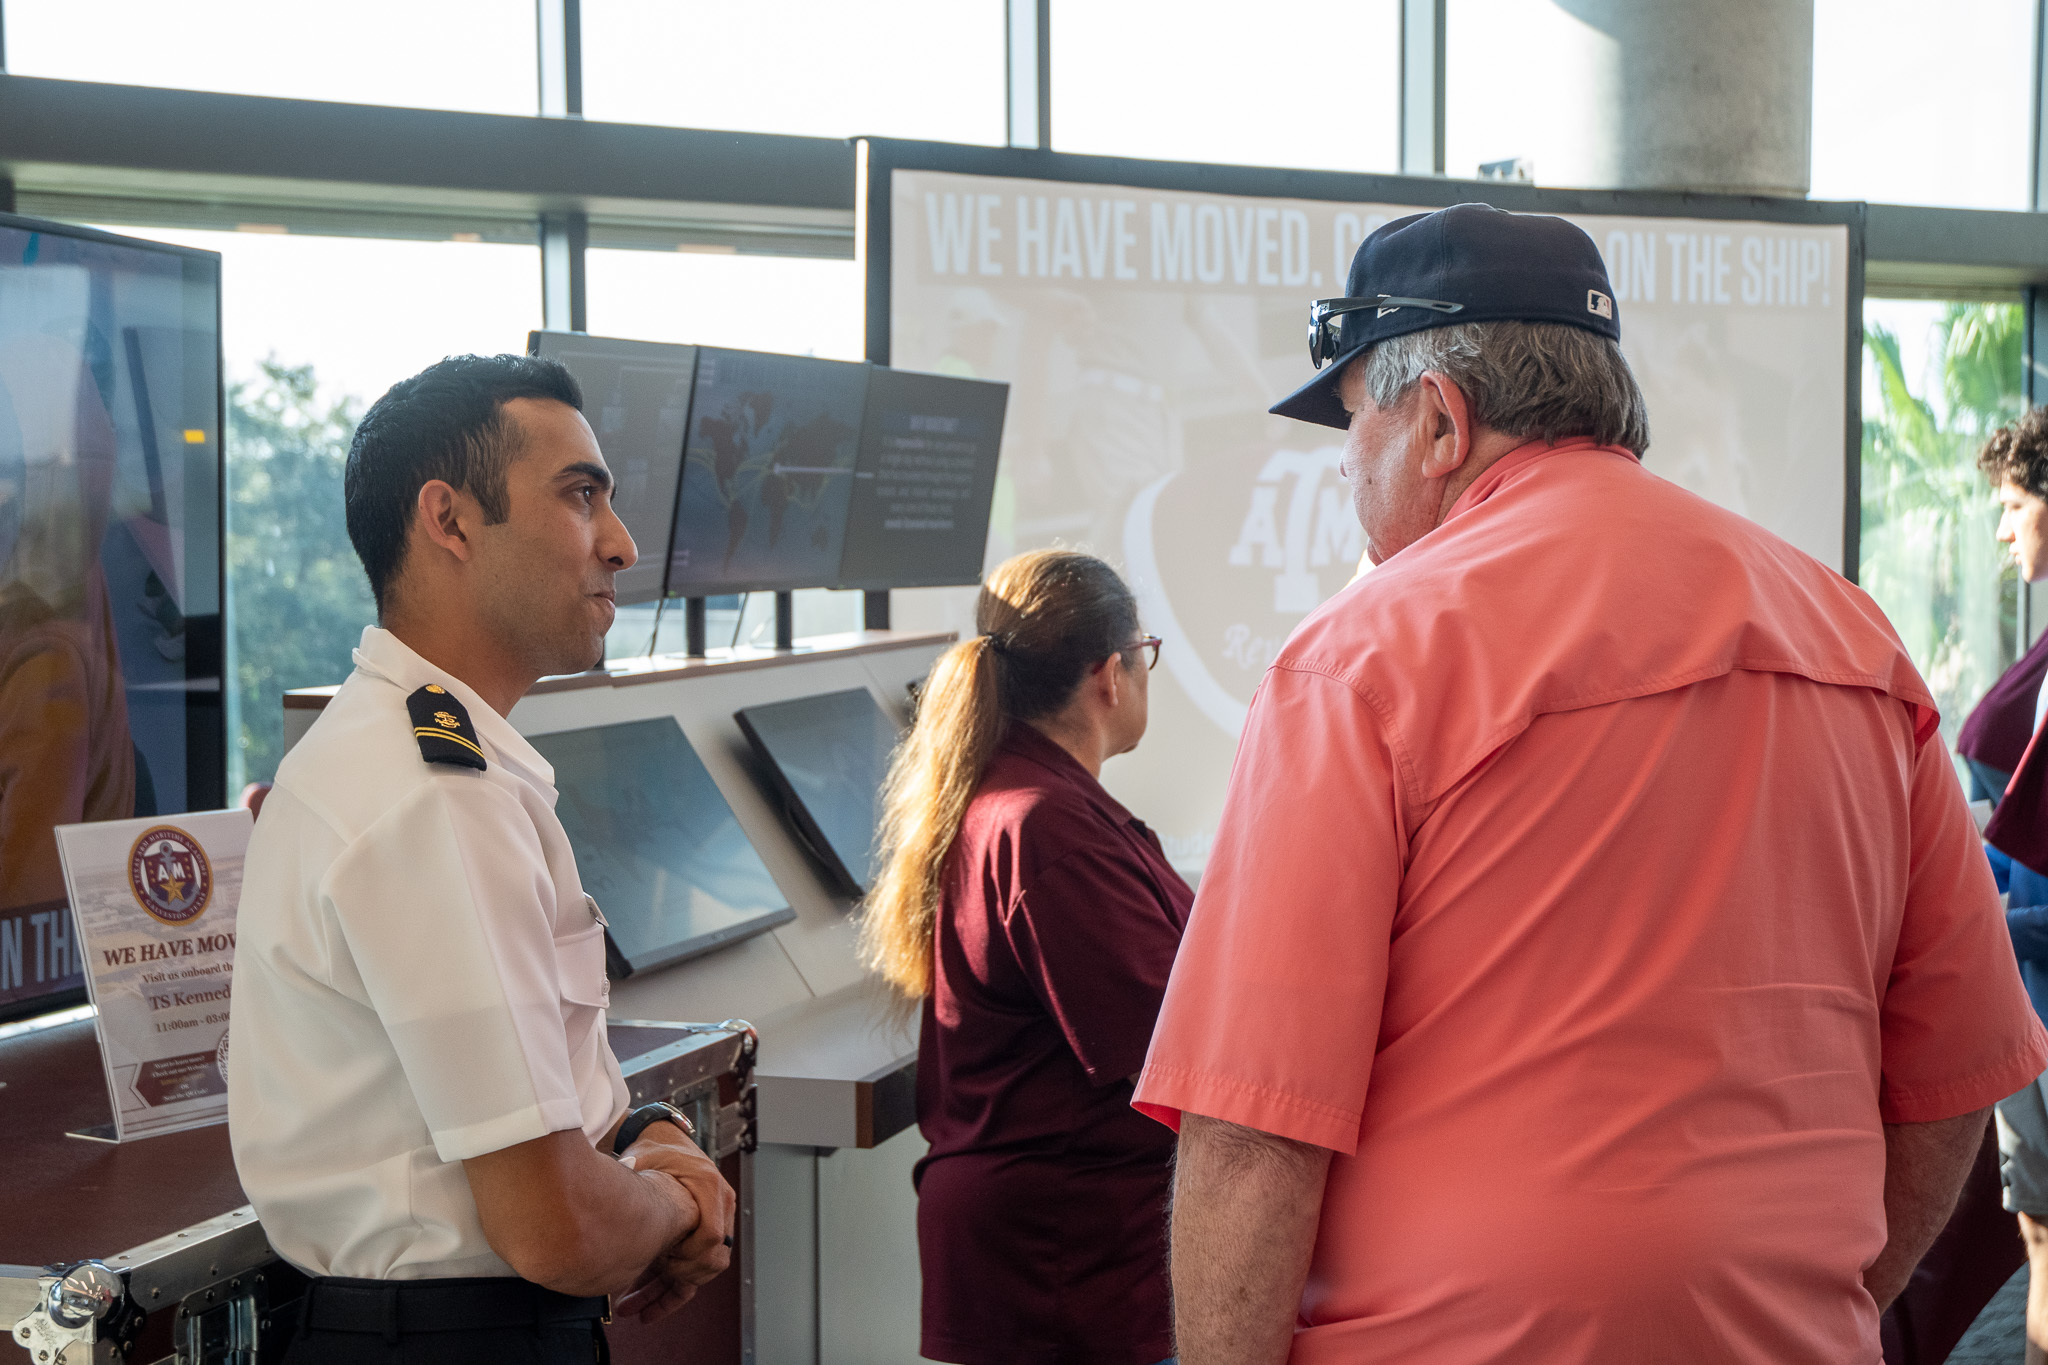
758, 303
314, 329
1209, 80
837, 68
435, 54
1937, 378
1917, 103
1500, 57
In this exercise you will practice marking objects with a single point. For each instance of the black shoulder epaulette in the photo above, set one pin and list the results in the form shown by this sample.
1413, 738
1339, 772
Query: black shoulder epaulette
442, 727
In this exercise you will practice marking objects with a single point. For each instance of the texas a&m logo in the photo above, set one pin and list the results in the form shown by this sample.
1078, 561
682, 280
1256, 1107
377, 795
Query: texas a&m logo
169, 874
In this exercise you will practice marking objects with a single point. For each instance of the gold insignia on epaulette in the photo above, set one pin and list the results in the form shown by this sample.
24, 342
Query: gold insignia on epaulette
441, 724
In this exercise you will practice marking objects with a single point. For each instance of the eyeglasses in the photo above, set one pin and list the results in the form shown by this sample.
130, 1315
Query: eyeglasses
1324, 333
1151, 642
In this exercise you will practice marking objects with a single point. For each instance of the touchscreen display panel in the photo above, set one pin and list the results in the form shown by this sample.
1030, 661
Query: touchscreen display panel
827, 756
636, 397
656, 844
922, 487
767, 471
110, 568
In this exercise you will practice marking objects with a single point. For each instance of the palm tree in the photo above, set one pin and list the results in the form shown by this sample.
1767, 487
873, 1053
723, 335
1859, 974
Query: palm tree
1928, 553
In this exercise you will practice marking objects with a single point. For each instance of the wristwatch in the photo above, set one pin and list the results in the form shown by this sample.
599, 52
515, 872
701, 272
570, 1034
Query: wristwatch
636, 1123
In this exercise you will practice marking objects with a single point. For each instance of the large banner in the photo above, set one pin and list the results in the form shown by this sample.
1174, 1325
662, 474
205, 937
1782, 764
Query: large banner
1145, 332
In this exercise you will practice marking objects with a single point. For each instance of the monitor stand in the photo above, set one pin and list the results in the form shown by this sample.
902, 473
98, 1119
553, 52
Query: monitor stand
693, 628
874, 610
785, 623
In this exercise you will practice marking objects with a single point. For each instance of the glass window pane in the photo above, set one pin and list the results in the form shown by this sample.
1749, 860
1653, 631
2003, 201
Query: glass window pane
797, 304
1922, 104
315, 329
1937, 378
437, 54
910, 68
1491, 112
1193, 80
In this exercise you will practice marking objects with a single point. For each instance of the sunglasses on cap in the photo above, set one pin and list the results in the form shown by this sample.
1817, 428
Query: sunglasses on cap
1324, 340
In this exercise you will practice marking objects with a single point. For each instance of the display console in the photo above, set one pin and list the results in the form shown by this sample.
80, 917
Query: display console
110, 563
636, 397
656, 844
827, 757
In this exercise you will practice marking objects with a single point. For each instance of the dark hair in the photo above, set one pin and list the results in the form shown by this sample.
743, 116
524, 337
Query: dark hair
1046, 618
2019, 451
447, 422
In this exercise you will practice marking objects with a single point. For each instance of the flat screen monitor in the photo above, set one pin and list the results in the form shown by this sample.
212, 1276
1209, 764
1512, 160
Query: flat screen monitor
767, 472
924, 481
656, 844
636, 397
827, 756
110, 563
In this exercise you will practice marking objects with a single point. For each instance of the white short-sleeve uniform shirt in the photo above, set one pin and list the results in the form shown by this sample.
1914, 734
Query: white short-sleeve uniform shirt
419, 978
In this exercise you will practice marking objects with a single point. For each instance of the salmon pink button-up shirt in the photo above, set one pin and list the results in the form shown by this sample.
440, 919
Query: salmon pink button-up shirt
1593, 882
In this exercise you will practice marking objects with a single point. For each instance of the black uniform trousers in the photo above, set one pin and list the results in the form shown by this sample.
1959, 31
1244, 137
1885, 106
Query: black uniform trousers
444, 1322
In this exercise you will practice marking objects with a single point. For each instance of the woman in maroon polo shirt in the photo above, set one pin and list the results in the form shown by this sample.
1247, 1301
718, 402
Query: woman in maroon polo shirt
1036, 920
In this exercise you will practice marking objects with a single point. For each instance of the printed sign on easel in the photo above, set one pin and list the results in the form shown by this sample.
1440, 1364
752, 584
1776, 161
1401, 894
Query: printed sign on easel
154, 900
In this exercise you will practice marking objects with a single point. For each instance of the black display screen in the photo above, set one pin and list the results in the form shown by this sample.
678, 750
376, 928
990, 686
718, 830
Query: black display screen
924, 481
110, 563
767, 473
636, 397
656, 844
828, 755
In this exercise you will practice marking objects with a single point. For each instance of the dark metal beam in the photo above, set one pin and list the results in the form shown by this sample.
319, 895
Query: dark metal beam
558, 26
2037, 142
1028, 64
194, 137
1960, 248
564, 298
1422, 86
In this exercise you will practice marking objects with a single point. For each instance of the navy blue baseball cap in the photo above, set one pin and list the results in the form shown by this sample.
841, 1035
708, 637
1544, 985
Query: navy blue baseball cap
1466, 263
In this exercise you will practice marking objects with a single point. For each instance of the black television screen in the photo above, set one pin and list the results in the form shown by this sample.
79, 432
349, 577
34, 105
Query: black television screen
656, 844
767, 471
827, 756
924, 481
636, 397
110, 563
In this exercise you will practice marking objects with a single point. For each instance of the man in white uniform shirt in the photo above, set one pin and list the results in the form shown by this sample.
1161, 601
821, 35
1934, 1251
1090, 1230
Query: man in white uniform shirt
422, 1102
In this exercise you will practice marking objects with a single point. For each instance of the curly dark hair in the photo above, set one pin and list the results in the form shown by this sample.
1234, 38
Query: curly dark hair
2019, 451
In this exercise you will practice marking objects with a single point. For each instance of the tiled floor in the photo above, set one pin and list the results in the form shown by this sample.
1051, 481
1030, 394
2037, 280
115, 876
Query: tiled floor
1998, 1336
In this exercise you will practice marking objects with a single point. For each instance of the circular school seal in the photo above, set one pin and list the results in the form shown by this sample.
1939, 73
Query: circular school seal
169, 874
220, 1056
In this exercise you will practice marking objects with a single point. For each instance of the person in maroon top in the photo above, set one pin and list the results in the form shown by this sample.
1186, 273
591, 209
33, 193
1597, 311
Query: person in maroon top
1036, 921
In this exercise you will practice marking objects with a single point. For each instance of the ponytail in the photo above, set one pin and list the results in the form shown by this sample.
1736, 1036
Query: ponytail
1046, 618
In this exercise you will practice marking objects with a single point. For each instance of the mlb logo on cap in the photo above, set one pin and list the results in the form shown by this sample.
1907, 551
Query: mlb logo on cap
1599, 304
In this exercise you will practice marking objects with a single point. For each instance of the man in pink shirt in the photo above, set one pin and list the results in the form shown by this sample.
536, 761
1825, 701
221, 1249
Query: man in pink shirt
1596, 962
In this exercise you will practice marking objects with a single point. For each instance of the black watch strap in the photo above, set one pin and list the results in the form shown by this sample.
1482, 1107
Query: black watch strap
636, 1123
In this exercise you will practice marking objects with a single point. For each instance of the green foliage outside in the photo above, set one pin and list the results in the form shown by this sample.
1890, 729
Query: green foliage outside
1929, 555
297, 597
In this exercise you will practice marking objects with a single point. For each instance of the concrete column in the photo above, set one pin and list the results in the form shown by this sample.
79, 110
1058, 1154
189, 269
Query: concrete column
1681, 95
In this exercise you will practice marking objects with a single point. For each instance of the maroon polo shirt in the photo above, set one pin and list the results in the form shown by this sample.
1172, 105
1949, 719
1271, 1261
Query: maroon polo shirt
1041, 1214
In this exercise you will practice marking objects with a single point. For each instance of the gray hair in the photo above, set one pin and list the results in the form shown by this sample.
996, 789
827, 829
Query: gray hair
1540, 380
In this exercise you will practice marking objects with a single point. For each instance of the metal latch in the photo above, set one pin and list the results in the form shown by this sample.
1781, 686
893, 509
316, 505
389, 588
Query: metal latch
79, 1305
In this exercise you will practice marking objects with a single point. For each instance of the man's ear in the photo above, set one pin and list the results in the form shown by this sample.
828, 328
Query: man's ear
447, 518
1447, 419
